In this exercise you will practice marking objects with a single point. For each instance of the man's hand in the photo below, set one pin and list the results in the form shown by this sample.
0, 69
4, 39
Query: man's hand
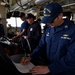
40, 70
25, 60
26, 37
14, 38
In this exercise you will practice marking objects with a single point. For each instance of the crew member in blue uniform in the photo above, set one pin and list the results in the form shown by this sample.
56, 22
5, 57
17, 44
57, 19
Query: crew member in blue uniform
23, 31
58, 43
33, 32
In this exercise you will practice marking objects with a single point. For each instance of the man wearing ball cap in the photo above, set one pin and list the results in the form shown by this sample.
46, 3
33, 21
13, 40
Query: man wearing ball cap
58, 44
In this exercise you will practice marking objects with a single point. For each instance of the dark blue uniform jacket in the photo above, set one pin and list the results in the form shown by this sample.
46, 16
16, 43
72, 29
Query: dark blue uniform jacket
59, 45
34, 34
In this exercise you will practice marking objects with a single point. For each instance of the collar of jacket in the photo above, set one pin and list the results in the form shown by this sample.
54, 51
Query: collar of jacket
65, 25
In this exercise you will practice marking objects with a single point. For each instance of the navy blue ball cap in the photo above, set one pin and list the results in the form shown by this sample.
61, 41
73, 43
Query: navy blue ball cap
51, 11
29, 15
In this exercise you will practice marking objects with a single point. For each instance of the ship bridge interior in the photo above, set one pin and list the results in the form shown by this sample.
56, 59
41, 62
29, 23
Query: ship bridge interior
61, 42
11, 8
35, 6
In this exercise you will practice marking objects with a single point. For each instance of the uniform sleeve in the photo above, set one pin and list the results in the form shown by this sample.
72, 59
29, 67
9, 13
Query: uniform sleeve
40, 49
67, 62
24, 25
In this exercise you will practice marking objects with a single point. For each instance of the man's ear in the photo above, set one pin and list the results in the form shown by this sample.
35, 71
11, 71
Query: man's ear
60, 15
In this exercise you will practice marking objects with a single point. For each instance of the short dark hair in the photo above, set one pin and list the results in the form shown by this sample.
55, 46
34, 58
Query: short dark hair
22, 14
